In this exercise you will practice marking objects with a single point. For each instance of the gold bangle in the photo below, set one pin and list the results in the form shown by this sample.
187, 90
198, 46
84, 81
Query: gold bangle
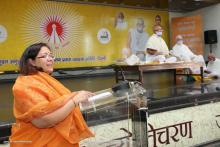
75, 105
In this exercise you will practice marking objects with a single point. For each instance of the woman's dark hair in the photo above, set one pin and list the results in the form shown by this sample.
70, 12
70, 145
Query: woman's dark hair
25, 67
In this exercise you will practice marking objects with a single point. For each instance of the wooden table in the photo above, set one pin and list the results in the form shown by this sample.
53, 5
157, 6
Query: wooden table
120, 69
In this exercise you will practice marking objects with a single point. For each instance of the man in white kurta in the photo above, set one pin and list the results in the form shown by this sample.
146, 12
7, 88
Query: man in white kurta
156, 43
213, 71
213, 67
181, 51
137, 39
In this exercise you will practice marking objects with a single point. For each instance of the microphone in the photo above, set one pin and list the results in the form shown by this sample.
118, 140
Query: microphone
121, 70
122, 73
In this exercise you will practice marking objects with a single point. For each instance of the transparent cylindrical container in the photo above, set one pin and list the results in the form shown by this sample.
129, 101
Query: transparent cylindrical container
115, 115
124, 91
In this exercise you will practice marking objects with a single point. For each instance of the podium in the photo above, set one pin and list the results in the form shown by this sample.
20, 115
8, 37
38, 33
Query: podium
122, 121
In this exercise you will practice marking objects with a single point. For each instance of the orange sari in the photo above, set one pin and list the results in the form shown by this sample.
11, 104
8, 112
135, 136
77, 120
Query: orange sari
35, 96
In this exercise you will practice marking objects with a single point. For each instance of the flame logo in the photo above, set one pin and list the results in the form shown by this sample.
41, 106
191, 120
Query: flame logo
54, 30
56, 24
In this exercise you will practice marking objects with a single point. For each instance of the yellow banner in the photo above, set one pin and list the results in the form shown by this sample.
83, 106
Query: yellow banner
80, 35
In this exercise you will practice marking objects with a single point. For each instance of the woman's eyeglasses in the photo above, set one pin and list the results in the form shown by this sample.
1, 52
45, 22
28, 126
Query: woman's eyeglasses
47, 56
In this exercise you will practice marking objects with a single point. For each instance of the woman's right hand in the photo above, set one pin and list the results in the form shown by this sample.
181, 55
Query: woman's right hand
82, 96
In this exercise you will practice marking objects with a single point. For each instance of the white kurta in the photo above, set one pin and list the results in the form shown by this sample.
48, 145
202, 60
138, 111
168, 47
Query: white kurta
155, 58
157, 43
214, 67
182, 52
160, 58
185, 54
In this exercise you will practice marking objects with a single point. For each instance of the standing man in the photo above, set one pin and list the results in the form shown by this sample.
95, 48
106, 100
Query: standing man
137, 39
156, 47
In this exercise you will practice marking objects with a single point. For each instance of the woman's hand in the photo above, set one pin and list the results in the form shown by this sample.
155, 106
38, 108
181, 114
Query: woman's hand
82, 96
51, 119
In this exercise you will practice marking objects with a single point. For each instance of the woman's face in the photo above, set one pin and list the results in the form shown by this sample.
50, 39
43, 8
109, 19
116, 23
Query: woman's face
44, 59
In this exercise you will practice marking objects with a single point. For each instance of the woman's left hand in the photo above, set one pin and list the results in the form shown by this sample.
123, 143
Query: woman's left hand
82, 96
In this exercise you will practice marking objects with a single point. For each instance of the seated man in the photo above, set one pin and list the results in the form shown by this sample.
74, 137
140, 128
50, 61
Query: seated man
156, 47
183, 53
213, 67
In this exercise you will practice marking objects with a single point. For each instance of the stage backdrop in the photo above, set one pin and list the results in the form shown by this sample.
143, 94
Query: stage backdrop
80, 35
191, 29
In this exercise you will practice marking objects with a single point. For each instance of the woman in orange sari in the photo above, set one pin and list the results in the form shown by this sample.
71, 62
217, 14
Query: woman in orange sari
46, 112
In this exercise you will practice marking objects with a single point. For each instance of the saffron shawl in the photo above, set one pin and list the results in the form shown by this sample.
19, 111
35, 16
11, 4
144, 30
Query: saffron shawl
38, 95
